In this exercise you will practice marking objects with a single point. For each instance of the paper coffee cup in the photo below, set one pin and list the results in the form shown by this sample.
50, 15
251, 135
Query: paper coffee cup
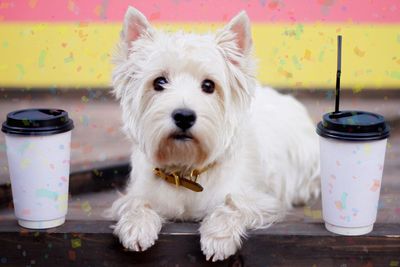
38, 153
352, 150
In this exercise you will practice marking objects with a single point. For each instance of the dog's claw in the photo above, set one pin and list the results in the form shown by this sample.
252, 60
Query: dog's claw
208, 256
136, 247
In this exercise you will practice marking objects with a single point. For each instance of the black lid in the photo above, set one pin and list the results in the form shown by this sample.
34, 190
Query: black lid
37, 122
353, 125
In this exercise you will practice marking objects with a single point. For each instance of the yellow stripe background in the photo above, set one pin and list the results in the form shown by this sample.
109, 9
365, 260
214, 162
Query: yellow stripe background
290, 56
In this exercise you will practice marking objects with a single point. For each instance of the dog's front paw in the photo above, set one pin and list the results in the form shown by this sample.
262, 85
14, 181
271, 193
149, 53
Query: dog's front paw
138, 233
219, 239
218, 248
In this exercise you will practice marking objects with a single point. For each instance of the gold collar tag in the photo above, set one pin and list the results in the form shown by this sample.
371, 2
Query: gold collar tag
180, 180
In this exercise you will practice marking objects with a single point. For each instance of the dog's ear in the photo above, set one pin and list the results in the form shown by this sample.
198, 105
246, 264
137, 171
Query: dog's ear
135, 26
235, 43
237, 30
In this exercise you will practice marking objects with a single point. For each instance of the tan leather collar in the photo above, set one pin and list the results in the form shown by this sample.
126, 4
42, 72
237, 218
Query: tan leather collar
182, 179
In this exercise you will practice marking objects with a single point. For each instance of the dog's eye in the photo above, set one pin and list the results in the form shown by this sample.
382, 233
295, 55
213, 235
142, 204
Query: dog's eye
208, 86
159, 83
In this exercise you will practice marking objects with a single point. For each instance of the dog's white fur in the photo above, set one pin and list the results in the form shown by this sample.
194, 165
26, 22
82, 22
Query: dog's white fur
263, 143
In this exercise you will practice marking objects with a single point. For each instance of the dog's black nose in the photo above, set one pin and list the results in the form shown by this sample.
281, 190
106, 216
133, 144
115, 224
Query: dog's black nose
184, 118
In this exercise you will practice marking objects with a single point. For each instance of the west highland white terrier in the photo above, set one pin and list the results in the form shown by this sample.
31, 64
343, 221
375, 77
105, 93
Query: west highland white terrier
209, 144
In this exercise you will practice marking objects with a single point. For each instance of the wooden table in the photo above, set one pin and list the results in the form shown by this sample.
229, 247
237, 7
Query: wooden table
87, 240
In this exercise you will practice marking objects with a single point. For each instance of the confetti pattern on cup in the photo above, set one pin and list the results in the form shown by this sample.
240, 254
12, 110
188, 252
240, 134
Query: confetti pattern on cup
341, 204
351, 183
376, 185
26, 212
43, 192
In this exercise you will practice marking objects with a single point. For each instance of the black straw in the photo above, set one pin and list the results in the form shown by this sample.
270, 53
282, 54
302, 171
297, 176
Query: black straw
339, 70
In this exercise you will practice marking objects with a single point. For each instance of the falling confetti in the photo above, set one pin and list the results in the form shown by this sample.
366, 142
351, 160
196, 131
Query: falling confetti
272, 5
71, 255
21, 70
86, 207
296, 63
69, 59
85, 120
286, 74
317, 214
76, 243
32, 3
358, 51
307, 54
321, 56
357, 89
395, 75
42, 58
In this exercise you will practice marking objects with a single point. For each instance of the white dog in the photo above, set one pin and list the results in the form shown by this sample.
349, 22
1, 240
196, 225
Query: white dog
191, 105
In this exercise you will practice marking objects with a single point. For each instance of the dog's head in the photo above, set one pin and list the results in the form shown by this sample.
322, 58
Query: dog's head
183, 95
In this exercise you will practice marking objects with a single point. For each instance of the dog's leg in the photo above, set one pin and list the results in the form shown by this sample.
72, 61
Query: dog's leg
138, 224
222, 231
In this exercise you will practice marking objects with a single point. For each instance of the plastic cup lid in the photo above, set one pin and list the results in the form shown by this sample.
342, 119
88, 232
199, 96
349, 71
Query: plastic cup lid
353, 125
37, 122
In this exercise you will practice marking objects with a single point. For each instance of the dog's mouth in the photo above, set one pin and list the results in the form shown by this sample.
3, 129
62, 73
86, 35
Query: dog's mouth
182, 136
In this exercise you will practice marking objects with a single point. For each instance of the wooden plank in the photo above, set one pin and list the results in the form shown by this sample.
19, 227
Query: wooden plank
285, 244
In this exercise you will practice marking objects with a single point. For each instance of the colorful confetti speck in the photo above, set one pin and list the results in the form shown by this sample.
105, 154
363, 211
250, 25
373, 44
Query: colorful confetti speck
25, 163
86, 207
359, 52
307, 54
69, 59
71, 255
42, 58
21, 70
47, 193
375, 185
341, 204
395, 75
76, 243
